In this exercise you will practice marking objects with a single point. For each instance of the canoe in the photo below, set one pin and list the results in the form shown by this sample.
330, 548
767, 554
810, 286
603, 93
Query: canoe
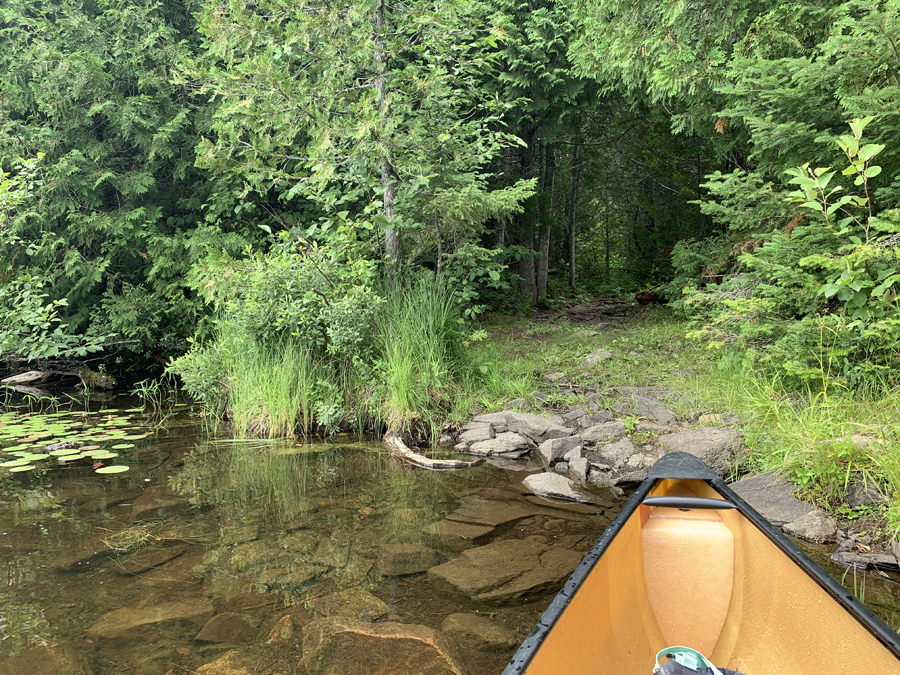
688, 563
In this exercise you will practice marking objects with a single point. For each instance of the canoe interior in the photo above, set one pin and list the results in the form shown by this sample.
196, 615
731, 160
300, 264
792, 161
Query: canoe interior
710, 580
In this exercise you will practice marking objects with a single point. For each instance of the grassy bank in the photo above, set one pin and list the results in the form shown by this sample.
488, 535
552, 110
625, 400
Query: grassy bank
823, 441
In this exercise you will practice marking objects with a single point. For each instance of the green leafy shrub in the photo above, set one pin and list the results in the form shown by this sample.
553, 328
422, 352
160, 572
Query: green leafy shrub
818, 300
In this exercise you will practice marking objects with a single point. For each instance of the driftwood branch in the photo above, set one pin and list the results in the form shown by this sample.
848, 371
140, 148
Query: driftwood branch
398, 448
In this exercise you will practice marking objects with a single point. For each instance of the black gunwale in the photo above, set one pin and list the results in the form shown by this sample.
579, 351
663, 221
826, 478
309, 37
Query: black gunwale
681, 465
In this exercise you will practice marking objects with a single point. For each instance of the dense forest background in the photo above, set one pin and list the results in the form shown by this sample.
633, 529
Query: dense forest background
200, 178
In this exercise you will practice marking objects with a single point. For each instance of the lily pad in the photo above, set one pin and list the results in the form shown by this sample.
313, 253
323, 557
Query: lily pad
15, 462
115, 468
97, 454
18, 469
64, 452
122, 446
71, 458
85, 448
135, 437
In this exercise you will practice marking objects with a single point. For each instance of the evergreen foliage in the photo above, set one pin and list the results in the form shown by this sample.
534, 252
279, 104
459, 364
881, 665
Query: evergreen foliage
214, 173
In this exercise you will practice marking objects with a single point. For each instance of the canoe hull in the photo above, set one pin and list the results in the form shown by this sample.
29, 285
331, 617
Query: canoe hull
724, 581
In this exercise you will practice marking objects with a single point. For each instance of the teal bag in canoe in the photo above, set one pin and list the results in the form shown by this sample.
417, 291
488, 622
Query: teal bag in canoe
687, 661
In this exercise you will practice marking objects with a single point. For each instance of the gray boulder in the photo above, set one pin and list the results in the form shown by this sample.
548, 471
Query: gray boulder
506, 444
816, 526
604, 432
474, 432
554, 485
773, 497
519, 404
864, 493
497, 420
538, 429
618, 453
556, 448
718, 448
578, 468
574, 453
653, 410
863, 560
630, 478
595, 418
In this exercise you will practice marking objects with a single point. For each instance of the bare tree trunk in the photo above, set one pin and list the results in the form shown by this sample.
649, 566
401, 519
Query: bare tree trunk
606, 213
543, 263
576, 170
391, 236
526, 262
527, 219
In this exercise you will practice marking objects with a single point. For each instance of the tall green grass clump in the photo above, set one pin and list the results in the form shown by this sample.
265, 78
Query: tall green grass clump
272, 390
420, 352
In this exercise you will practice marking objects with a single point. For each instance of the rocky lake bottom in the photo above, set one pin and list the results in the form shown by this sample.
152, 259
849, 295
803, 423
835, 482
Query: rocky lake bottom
223, 557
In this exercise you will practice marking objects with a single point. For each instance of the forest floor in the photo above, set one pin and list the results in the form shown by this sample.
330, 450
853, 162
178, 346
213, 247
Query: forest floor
825, 443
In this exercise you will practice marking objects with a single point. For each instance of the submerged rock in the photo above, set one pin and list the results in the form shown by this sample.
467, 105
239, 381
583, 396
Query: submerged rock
158, 501
478, 632
233, 663
282, 632
227, 627
456, 535
147, 559
401, 559
337, 645
239, 535
506, 571
353, 604
46, 661
120, 622
862, 561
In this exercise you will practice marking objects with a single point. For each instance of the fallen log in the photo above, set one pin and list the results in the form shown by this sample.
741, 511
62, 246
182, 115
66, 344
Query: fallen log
398, 448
